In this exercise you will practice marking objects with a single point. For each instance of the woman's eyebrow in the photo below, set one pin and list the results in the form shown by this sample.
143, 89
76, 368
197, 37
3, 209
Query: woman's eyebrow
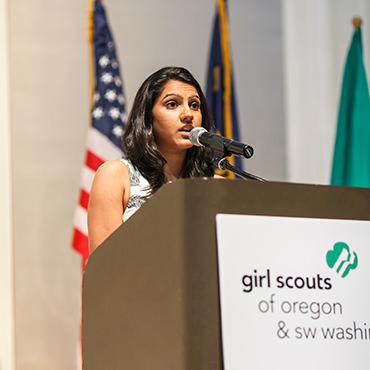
180, 96
172, 94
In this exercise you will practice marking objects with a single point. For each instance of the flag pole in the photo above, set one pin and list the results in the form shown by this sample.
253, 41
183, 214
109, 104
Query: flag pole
90, 39
227, 68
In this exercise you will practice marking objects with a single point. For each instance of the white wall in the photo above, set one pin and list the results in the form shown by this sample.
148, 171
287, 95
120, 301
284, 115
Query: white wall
49, 117
6, 248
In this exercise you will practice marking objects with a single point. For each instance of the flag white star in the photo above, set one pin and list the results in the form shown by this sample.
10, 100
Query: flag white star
104, 61
124, 117
110, 95
98, 113
96, 96
114, 64
117, 81
121, 99
106, 78
114, 113
117, 131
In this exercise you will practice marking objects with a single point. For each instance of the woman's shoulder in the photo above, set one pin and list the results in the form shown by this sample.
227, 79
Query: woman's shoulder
113, 170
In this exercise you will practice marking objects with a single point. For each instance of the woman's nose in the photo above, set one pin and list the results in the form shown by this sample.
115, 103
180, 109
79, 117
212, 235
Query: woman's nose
186, 114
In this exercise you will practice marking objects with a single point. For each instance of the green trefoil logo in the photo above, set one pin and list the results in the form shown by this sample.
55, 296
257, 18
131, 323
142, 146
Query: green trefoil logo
341, 259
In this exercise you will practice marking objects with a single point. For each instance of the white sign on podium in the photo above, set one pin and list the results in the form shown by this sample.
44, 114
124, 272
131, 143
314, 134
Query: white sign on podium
294, 292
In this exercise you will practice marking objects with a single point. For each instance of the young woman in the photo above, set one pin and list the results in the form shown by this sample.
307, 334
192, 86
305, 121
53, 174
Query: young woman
167, 106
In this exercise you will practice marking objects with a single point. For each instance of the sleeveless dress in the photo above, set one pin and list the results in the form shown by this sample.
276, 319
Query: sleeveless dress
139, 189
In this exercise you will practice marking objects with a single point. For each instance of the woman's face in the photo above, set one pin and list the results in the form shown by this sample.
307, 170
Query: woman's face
175, 113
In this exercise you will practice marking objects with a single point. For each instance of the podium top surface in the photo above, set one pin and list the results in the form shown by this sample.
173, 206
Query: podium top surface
265, 198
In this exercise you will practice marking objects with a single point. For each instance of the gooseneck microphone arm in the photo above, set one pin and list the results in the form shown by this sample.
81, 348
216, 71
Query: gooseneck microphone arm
224, 164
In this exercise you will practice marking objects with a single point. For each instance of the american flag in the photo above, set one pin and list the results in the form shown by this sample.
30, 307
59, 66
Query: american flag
108, 116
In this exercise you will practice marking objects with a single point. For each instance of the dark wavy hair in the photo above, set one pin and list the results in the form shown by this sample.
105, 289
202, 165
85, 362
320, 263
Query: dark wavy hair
138, 138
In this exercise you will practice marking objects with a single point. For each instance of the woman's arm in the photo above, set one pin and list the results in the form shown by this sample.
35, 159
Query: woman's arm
109, 195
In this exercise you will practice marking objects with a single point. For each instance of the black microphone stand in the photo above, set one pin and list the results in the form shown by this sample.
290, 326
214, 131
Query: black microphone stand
224, 164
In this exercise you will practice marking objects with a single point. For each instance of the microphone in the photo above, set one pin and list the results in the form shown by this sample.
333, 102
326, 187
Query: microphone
200, 136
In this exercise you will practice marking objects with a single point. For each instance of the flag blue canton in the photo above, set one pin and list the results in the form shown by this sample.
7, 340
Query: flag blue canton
214, 80
109, 109
215, 88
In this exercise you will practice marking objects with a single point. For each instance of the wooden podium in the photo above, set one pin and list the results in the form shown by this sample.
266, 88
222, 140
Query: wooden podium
150, 292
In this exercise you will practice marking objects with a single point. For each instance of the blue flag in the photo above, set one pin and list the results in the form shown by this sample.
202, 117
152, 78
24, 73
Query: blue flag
220, 85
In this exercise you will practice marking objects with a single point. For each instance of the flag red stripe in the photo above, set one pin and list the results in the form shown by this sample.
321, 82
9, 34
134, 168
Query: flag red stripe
84, 198
80, 243
93, 161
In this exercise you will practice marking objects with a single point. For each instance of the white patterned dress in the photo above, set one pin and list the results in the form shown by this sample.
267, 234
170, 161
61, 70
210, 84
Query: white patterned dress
139, 189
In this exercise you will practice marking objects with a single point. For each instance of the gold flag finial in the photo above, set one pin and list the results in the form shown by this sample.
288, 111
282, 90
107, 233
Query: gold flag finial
357, 22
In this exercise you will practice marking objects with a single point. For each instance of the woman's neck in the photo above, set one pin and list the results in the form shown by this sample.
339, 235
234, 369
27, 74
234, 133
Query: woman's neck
174, 166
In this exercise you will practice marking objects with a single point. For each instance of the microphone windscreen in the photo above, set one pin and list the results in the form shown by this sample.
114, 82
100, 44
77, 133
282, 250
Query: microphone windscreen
195, 134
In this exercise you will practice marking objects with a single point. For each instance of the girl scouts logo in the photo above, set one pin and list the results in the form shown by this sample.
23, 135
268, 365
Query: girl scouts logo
341, 259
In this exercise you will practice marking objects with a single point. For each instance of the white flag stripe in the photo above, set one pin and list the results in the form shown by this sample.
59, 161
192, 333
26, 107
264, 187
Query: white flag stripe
101, 146
87, 178
80, 221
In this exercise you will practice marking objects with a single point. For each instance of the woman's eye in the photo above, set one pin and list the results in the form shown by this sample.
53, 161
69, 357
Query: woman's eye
194, 105
171, 104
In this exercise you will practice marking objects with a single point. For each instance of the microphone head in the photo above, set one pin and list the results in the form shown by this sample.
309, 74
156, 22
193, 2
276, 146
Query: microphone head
195, 134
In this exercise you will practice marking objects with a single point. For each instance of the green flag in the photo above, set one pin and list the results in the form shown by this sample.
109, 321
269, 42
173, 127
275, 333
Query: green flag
351, 162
